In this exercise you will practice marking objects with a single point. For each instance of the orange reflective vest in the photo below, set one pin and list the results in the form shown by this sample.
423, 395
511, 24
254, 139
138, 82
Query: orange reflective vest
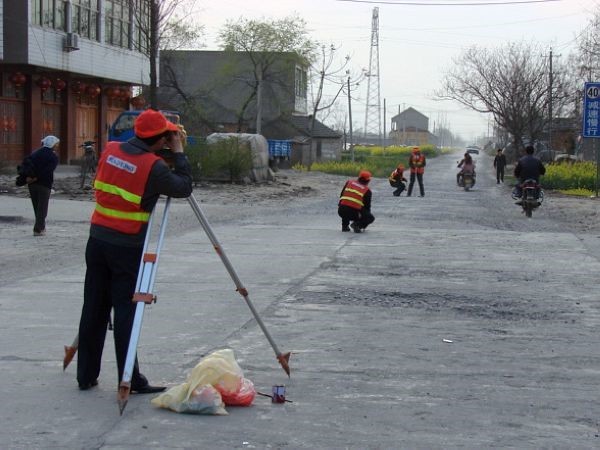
119, 184
353, 194
417, 163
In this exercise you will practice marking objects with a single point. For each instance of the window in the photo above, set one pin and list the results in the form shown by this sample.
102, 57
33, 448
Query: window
48, 13
85, 18
141, 41
300, 82
118, 22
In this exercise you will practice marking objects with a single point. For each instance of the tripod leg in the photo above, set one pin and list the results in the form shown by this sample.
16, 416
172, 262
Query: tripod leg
282, 358
142, 295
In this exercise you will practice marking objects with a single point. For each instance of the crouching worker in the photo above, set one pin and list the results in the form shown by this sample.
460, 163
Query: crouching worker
129, 180
397, 180
355, 203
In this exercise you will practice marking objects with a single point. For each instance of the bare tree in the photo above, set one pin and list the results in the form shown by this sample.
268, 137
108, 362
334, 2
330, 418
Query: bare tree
162, 24
510, 82
267, 43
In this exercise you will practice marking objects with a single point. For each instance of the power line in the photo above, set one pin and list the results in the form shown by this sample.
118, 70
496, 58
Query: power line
486, 3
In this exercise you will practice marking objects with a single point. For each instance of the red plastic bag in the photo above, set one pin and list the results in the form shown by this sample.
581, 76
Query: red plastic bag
244, 396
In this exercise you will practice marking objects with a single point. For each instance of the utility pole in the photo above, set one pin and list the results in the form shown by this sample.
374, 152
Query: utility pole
550, 91
350, 120
384, 128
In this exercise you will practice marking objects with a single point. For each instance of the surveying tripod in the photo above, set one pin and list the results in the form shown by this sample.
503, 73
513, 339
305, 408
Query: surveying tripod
143, 296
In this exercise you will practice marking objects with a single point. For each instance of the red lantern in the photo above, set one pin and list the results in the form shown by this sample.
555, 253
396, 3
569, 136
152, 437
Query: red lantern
138, 102
77, 87
111, 92
44, 83
60, 84
93, 90
12, 124
18, 79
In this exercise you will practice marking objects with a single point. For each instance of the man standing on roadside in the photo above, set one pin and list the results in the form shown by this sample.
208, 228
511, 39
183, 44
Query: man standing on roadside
417, 163
500, 164
129, 180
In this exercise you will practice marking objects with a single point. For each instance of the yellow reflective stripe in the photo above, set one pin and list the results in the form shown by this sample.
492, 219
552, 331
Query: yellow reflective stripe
350, 199
116, 190
355, 191
137, 216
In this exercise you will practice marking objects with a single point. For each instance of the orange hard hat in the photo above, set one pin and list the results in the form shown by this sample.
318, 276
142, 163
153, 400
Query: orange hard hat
400, 166
415, 149
365, 175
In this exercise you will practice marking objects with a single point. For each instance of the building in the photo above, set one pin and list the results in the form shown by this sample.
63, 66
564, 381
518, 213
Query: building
216, 91
67, 68
410, 127
320, 144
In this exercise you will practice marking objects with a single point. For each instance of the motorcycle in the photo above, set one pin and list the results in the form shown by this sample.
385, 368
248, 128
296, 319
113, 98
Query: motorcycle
466, 180
89, 161
531, 197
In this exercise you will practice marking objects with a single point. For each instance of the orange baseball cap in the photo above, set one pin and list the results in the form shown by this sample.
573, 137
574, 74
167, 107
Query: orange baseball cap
365, 175
152, 123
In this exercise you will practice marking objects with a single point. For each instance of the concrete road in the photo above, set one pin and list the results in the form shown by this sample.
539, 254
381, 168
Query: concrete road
453, 322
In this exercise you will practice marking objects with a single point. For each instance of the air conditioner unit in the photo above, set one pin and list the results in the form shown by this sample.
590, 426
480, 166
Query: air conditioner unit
71, 42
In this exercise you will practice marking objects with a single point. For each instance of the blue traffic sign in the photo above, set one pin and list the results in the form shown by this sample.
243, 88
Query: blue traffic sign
591, 110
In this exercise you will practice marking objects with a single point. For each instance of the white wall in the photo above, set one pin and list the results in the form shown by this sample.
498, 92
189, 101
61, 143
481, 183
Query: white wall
92, 58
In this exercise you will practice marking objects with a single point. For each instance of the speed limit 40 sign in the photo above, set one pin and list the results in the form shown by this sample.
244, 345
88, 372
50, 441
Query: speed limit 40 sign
591, 110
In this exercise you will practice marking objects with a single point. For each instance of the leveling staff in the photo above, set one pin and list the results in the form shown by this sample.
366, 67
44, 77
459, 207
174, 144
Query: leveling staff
128, 183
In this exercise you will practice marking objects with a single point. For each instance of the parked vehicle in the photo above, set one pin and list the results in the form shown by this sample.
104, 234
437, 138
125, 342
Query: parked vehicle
532, 196
122, 128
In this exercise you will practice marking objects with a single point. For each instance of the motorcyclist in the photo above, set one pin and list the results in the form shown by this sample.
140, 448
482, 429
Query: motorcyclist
467, 166
528, 167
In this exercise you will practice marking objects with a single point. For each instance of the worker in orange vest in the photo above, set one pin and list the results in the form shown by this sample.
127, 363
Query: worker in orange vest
355, 203
129, 181
397, 180
417, 163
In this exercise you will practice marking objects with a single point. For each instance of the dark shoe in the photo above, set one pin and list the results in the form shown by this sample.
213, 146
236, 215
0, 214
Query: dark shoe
355, 227
86, 386
148, 389
345, 229
396, 194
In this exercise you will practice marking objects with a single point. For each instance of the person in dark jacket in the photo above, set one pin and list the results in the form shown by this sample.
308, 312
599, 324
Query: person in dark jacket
499, 164
355, 203
44, 161
129, 181
528, 167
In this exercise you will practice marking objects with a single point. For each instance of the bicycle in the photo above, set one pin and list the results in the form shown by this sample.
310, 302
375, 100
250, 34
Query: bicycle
89, 162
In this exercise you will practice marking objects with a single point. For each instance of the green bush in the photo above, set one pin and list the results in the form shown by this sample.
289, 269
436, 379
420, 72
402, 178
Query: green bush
229, 159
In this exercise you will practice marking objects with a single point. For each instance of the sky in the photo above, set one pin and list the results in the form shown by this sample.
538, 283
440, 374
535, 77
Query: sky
417, 42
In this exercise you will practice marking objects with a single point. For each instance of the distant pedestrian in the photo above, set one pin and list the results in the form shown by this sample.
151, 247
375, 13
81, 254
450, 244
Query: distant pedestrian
44, 162
499, 164
417, 163
355, 203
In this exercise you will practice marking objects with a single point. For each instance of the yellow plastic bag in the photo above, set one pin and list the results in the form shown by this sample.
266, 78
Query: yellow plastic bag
218, 369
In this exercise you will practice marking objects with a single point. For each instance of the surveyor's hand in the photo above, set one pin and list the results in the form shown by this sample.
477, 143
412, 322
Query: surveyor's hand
174, 142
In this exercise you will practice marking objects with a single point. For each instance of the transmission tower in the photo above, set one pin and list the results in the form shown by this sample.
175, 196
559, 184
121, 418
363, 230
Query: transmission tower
372, 113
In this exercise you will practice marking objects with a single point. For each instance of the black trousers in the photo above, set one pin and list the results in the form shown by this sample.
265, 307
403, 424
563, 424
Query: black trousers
400, 186
40, 197
499, 174
419, 177
110, 281
362, 218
